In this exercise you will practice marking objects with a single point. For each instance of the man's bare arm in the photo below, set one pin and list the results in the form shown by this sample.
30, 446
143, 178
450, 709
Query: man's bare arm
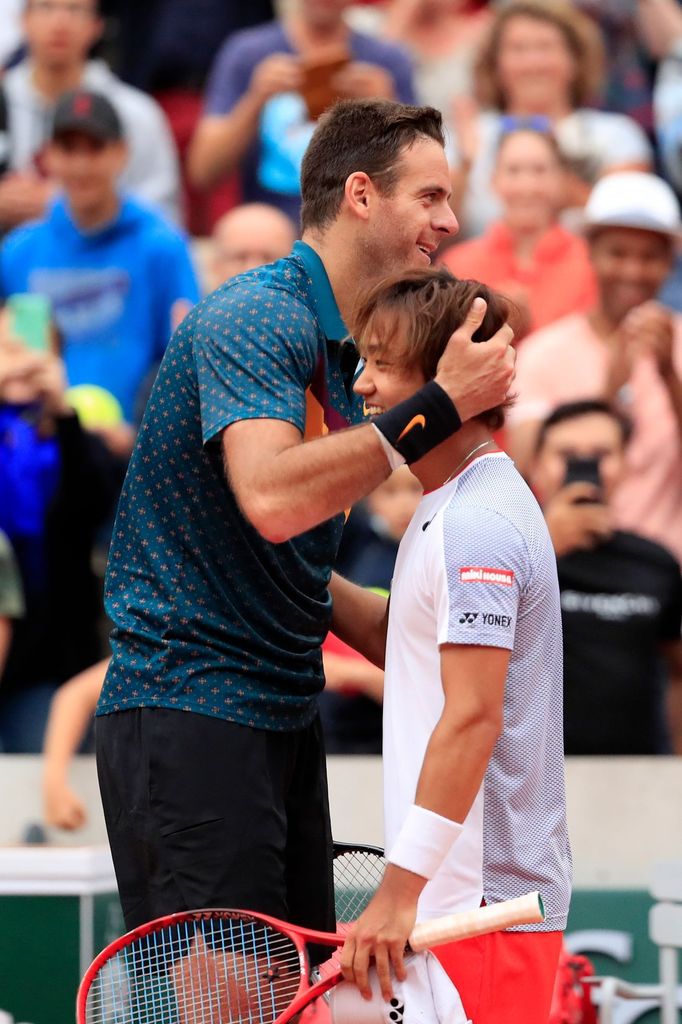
359, 618
286, 486
453, 769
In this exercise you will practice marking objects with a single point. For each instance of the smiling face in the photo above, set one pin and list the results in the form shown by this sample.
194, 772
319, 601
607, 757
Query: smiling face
535, 66
406, 225
631, 266
386, 379
529, 180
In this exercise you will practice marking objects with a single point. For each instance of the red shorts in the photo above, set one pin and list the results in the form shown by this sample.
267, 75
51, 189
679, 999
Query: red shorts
504, 977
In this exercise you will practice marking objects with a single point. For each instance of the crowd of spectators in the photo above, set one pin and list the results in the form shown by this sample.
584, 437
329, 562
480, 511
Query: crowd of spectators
151, 152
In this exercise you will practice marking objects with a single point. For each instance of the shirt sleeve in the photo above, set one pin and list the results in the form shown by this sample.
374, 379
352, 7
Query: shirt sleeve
230, 76
256, 352
483, 572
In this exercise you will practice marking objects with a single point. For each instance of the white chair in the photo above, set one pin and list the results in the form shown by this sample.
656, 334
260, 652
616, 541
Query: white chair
665, 930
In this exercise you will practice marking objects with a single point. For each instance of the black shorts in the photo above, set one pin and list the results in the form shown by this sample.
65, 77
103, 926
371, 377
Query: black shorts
204, 813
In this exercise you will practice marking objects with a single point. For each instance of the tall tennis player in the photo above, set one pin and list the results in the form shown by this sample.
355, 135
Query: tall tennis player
209, 745
473, 747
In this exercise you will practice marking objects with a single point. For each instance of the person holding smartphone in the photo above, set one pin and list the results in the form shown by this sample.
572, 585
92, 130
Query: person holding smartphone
58, 485
621, 594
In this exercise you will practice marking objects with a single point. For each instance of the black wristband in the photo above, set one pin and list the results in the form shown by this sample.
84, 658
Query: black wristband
421, 422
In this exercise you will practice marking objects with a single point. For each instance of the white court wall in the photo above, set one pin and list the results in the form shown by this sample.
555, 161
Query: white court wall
624, 813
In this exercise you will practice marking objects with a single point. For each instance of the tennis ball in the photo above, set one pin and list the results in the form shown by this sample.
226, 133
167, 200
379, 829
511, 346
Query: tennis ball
95, 406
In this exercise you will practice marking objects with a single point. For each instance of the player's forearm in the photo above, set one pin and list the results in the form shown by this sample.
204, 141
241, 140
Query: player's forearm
220, 142
455, 764
306, 484
359, 618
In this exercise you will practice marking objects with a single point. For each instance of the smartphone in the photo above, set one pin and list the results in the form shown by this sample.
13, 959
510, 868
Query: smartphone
317, 89
31, 320
584, 471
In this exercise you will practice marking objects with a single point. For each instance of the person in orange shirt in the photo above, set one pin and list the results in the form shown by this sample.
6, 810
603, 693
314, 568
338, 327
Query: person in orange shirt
540, 265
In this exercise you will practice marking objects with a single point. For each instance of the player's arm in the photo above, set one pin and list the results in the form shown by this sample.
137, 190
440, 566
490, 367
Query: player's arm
286, 486
359, 618
454, 765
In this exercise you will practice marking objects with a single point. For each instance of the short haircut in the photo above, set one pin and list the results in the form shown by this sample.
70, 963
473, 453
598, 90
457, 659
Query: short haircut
359, 135
568, 411
425, 307
579, 31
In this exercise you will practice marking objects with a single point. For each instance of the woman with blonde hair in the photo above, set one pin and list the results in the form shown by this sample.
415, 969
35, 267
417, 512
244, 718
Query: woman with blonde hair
542, 64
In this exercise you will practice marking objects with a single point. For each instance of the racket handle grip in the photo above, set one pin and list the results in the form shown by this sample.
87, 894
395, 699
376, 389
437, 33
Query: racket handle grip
494, 917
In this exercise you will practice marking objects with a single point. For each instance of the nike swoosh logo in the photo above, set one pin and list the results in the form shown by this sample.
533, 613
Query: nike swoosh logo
416, 421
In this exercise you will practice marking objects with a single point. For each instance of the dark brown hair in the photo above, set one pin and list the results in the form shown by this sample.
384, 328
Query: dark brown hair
425, 307
359, 135
580, 34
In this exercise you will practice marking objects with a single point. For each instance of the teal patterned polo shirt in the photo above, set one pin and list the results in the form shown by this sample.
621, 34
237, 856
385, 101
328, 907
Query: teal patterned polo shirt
208, 616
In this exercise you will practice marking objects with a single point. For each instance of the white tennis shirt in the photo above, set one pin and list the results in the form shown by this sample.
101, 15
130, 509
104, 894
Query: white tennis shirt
476, 566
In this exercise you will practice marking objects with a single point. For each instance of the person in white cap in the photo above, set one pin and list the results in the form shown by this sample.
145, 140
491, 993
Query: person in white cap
626, 350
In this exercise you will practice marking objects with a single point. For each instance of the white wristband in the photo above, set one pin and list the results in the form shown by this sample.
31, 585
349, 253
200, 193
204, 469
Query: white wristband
394, 457
424, 841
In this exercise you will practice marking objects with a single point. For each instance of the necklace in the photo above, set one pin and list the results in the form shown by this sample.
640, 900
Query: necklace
466, 458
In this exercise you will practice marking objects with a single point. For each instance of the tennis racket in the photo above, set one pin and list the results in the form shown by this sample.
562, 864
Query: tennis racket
358, 870
235, 967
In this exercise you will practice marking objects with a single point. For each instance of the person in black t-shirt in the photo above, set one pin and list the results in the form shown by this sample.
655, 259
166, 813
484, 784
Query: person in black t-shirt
621, 595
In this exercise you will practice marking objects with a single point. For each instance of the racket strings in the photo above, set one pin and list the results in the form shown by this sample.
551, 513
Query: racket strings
357, 874
217, 972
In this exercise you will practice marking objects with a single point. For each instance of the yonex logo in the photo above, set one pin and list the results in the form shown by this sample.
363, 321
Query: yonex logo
491, 619
417, 421
468, 618
484, 574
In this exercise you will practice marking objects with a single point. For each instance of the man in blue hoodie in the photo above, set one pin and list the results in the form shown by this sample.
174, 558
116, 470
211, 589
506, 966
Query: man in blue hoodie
118, 276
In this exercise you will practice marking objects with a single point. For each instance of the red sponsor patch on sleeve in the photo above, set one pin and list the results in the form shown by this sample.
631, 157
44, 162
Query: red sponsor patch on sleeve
484, 574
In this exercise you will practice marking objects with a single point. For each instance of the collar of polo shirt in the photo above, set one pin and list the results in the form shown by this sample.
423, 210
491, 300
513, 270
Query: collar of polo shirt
323, 296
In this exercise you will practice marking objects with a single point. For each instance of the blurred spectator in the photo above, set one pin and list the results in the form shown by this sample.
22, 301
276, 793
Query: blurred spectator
268, 85
627, 349
71, 711
170, 44
621, 595
166, 47
10, 29
249, 236
350, 705
58, 484
668, 87
629, 71
117, 274
543, 60
11, 597
540, 265
443, 37
59, 34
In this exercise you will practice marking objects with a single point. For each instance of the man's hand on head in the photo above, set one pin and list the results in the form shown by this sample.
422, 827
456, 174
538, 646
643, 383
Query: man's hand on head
477, 377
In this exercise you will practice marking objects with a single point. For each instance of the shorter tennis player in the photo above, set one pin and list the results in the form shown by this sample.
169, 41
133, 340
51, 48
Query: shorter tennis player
473, 749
